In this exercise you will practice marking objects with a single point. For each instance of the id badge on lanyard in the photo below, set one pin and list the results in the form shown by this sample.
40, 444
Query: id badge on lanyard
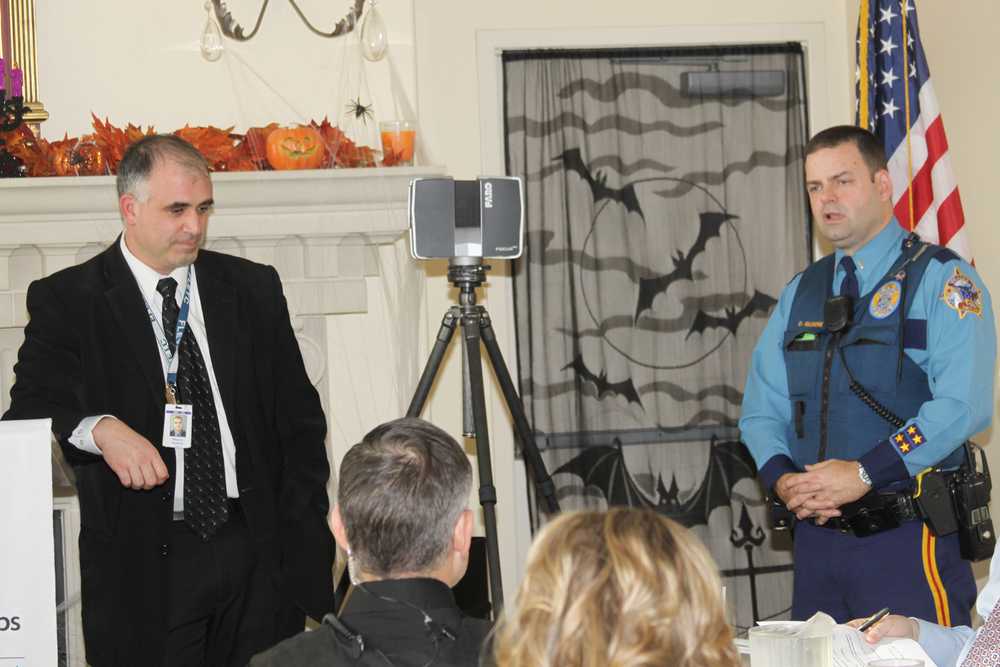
178, 418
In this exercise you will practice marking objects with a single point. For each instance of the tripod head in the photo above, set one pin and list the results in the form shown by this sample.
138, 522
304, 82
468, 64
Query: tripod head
467, 273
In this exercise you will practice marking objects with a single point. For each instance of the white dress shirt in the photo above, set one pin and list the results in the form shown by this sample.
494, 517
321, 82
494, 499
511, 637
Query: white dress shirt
83, 435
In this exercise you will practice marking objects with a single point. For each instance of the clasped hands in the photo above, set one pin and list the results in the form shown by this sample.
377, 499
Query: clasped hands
819, 492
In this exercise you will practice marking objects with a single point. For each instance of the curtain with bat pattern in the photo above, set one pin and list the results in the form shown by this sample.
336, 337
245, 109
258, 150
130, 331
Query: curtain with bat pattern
665, 210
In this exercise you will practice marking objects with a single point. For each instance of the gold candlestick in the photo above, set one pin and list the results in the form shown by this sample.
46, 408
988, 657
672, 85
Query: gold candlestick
21, 28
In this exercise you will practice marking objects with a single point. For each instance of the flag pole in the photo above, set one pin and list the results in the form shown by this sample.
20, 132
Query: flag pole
906, 95
863, 20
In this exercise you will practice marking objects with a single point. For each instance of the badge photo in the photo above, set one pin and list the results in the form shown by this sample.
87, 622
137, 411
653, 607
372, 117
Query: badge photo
177, 425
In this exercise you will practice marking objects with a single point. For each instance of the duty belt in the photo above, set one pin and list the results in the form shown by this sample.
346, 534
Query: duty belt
875, 512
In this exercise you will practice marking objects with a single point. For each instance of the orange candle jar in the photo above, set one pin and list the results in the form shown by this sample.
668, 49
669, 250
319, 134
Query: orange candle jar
398, 138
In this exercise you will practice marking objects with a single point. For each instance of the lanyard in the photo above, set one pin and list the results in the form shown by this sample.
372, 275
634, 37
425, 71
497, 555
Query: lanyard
161, 336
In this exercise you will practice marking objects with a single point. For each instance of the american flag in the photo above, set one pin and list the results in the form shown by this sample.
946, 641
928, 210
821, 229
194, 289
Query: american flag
896, 101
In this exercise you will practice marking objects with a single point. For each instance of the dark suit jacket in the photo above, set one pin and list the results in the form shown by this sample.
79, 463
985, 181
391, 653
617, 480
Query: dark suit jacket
392, 630
89, 350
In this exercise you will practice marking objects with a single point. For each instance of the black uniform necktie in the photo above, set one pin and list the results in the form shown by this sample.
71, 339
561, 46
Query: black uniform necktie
850, 285
205, 504
167, 287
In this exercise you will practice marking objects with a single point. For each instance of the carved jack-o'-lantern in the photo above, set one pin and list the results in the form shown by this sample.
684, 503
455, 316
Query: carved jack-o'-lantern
295, 148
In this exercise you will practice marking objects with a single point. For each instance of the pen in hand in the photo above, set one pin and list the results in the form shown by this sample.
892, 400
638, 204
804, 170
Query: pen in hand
873, 619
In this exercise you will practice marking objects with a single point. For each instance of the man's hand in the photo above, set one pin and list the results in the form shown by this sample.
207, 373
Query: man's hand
797, 491
892, 625
132, 457
838, 483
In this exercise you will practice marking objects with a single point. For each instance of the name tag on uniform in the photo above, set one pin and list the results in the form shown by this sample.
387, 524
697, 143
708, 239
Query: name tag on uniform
177, 425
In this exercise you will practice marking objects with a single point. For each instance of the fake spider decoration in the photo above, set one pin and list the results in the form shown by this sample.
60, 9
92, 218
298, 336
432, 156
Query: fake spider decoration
362, 112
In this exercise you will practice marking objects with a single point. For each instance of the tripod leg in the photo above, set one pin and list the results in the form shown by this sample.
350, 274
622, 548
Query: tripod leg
445, 332
487, 491
529, 448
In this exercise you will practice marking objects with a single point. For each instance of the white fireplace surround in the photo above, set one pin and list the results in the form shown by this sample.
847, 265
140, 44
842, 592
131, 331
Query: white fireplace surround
331, 234
318, 228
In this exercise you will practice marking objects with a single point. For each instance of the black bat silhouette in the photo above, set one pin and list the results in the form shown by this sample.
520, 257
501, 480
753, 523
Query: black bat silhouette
624, 388
709, 225
758, 303
603, 467
573, 161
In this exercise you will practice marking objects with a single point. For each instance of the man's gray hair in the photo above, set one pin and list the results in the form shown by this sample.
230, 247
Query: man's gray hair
401, 492
140, 158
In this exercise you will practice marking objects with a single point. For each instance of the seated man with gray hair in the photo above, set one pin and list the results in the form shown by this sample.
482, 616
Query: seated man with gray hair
402, 517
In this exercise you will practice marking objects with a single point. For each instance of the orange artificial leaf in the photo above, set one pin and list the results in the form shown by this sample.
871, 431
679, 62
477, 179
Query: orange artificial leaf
351, 155
311, 146
238, 161
112, 141
133, 133
22, 143
392, 158
61, 156
214, 144
254, 145
333, 139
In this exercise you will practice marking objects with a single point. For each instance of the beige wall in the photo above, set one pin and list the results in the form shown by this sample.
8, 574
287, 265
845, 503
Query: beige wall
142, 65
959, 54
457, 102
958, 50
453, 120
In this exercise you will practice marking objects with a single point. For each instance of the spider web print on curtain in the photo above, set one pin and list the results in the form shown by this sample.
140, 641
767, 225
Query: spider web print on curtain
662, 223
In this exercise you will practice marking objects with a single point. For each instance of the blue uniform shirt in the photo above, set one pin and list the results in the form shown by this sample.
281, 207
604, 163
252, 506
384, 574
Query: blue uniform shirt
958, 359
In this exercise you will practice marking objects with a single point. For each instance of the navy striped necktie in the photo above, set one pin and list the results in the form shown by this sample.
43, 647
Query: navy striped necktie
850, 285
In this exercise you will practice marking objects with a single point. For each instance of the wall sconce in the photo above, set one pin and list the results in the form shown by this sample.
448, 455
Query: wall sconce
374, 41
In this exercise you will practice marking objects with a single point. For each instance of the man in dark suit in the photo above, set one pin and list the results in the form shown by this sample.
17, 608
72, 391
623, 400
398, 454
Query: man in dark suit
209, 552
402, 518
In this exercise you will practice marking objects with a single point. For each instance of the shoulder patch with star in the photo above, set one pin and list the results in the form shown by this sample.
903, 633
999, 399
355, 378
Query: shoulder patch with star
906, 439
962, 295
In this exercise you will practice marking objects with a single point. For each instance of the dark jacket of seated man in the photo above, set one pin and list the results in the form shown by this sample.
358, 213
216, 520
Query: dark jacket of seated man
401, 622
401, 517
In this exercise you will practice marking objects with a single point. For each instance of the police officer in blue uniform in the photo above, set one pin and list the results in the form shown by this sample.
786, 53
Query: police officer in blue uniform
867, 395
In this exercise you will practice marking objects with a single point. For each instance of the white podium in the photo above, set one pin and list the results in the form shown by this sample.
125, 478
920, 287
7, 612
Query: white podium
27, 565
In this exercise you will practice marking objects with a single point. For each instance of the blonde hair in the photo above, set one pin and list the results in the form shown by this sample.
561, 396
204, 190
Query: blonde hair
622, 587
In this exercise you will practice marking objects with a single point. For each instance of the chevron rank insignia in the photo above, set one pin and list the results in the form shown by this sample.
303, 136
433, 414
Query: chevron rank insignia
962, 295
908, 438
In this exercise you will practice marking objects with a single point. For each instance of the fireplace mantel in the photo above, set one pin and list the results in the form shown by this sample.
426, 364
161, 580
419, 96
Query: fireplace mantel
324, 202
318, 228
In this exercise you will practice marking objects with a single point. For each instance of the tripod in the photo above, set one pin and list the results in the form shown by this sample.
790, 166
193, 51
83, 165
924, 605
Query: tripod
467, 274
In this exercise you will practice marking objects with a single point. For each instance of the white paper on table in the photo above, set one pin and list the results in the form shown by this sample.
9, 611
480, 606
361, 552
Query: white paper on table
850, 649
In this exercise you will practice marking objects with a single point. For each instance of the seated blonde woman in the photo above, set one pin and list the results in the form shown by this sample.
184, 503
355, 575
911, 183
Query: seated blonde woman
622, 587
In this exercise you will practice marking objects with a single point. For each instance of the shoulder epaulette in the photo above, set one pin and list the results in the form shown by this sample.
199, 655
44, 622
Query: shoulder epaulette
942, 254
